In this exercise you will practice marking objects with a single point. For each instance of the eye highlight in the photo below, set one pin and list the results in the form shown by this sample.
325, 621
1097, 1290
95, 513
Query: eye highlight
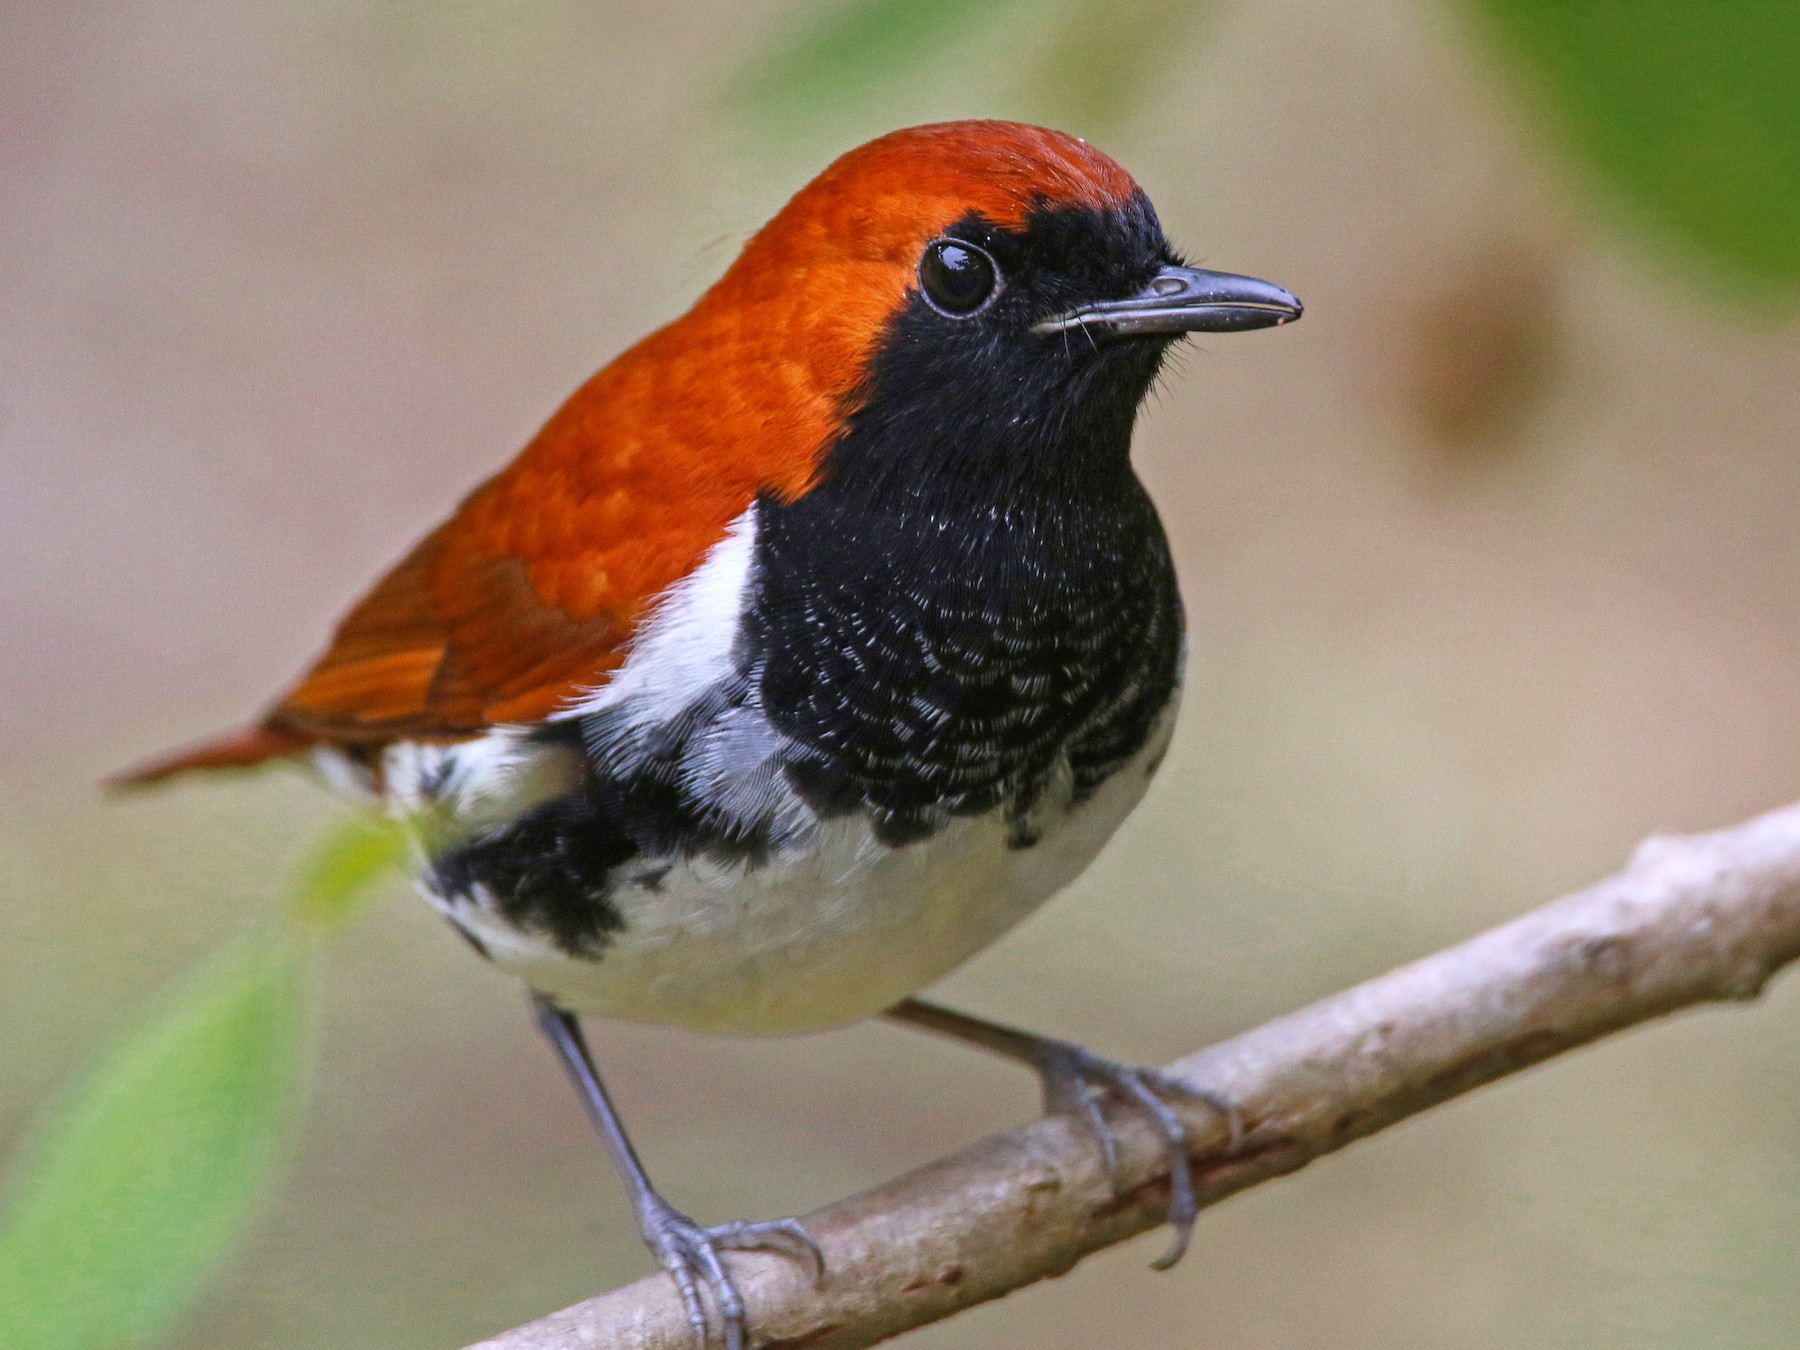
957, 278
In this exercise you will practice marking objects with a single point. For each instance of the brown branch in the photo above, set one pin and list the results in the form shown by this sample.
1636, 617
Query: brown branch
1691, 920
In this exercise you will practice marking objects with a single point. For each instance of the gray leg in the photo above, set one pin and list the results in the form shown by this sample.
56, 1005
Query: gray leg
687, 1251
1071, 1076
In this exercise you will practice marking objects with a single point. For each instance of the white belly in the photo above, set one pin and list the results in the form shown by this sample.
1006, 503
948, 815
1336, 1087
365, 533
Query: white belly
836, 930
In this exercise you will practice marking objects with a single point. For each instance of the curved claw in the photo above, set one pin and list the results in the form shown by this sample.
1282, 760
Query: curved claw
1071, 1078
690, 1254
785, 1236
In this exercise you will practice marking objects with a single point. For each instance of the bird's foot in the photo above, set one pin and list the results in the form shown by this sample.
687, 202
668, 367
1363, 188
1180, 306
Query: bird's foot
691, 1255
1073, 1077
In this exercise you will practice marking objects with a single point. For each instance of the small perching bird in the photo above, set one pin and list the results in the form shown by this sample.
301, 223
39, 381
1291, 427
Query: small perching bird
812, 644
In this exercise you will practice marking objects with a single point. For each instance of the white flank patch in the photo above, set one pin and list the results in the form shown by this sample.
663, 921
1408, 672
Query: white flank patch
684, 646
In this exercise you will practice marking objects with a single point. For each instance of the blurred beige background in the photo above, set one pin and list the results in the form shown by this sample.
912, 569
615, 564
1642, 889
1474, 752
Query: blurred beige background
1491, 565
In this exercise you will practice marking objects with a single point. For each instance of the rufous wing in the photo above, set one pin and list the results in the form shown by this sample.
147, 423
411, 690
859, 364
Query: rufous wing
516, 606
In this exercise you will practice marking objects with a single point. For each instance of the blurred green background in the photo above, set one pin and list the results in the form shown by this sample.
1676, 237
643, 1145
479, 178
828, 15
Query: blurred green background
1491, 567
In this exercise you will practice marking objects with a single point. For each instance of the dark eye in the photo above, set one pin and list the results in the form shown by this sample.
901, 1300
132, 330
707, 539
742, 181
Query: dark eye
957, 278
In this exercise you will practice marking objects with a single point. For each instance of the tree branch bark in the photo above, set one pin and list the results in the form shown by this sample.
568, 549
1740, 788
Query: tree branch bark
1691, 920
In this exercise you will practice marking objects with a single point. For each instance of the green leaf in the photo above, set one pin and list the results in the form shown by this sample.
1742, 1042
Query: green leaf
348, 866
1688, 110
840, 52
133, 1191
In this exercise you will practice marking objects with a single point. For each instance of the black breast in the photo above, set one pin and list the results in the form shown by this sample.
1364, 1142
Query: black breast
933, 663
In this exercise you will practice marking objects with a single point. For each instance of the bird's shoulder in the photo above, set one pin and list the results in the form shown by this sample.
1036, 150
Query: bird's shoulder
528, 596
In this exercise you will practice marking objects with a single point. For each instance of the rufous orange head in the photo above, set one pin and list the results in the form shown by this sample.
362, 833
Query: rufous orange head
828, 272
990, 236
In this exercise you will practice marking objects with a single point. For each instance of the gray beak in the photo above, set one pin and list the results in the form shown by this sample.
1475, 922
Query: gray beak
1184, 300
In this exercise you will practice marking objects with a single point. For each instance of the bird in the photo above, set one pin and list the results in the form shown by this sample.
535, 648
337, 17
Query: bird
813, 643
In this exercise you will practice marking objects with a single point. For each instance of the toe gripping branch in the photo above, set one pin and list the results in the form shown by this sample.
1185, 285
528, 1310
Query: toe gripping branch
1073, 1078
689, 1252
